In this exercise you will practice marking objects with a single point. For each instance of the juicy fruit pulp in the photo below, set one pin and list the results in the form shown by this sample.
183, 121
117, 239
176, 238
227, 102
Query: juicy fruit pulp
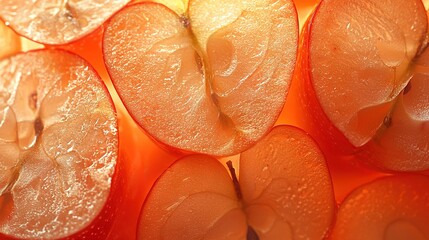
274, 198
58, 21
212, 81
355, 66
58, 145
391, 208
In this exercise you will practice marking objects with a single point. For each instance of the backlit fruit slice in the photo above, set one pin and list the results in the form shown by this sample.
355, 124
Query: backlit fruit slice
284, 191
178, 6
58, 141
57, 21
403, 143
357, 58
212, 81
391, 208
9, 41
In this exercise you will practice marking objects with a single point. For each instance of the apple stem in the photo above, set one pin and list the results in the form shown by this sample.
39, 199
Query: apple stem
235, 180
251, 234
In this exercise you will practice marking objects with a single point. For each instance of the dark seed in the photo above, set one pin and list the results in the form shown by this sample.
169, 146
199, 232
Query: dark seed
185, 21
387, 121
38, 126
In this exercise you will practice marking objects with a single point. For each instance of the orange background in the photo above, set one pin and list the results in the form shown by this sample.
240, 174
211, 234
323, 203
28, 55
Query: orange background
144, 161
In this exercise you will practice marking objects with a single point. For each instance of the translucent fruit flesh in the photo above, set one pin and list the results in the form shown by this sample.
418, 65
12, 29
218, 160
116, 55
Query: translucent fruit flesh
59, 145
391, 208
277, 198
58, 21
360, 57
357, 72
408, 126
210, 86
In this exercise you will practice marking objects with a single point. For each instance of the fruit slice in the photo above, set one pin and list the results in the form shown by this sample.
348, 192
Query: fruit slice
212, 81
407, 131
391, 208
357, 57
9, 41
59, 21
371, 52
58, 140
274, 198
178, 6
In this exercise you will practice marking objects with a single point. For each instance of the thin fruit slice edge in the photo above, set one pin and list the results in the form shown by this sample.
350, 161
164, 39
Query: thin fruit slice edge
57, 22
276, 194
360, 64
389, 208
212, 87
193, 199
58, 135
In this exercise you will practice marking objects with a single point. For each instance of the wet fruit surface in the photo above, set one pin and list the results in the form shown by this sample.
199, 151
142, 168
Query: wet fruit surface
58, 21
357, 69
142, 160
212, 77
58, 144
273, 197
401, 213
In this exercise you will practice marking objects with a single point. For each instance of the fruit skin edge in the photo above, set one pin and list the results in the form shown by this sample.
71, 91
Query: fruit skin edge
106, 217
235, 160
346, 166
332, 141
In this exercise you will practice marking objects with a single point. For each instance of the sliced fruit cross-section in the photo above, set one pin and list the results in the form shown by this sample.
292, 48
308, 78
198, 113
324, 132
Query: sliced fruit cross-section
391, 208
403, 145
212, 81
58, 145
284, 191
57, 21
357, 59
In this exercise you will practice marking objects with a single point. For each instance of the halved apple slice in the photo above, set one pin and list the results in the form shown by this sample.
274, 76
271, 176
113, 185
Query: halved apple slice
402, 144
391, 208
57, 21
9, 41
59, 143
357, 57
284, 191
212, 81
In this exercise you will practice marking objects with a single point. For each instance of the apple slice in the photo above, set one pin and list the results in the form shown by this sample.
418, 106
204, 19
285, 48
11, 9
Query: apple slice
275, 197
59, 143
9, 41
211, 81
357, 57
58, 21
391, 208
402, 144
178, 6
